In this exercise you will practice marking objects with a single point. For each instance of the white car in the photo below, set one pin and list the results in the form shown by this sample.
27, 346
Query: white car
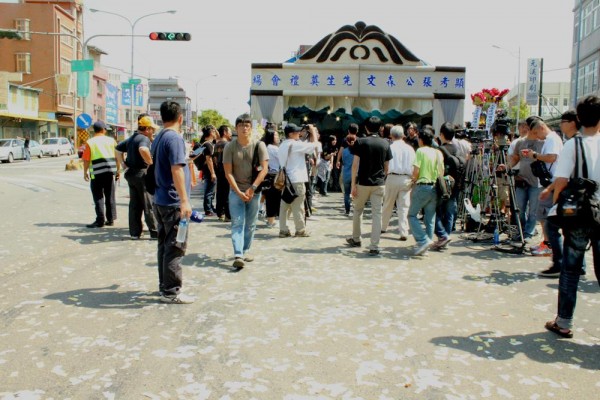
56, 146
35, 149
11, 149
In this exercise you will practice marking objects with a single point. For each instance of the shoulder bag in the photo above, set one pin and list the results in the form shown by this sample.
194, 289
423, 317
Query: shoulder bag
577, 206
541, 171
443, 183
279, 182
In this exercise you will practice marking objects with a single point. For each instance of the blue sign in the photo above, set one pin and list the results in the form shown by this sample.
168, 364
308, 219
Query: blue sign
84, 121
112, 104
138, 95
126, 95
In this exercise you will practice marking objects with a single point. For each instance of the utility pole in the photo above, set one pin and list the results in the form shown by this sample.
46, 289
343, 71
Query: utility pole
540, 96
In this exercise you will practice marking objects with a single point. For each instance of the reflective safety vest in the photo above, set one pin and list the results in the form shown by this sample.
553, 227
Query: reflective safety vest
102, 155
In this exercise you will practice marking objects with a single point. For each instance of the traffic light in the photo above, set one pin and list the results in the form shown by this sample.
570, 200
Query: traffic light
10, 34
172, 36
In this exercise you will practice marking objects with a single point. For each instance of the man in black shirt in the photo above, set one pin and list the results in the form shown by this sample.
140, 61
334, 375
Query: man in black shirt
369, 168
137, 161
222, 207
412, 135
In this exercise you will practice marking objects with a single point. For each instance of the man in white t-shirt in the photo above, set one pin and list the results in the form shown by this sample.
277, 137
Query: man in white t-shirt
576, 240
552, 147
295, 167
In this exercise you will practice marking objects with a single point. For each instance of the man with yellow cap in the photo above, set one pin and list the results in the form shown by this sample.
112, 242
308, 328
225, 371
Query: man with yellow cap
137, 148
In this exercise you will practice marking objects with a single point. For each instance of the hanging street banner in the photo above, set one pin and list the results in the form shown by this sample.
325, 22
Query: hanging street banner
533, 81
112, 104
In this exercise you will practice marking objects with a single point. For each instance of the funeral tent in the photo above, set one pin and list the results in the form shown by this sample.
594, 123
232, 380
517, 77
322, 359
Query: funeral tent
351, 74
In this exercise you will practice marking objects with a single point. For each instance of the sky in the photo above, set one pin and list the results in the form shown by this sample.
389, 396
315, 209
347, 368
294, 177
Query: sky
228, 36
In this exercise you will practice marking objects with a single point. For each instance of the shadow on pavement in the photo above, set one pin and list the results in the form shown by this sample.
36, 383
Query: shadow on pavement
104, 298
502, 278
584, 286
544, 347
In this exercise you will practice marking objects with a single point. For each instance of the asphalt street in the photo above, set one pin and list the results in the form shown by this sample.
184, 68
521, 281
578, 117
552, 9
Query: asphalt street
309, 319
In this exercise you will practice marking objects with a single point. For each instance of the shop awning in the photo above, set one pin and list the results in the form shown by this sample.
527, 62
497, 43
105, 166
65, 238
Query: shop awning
27, 117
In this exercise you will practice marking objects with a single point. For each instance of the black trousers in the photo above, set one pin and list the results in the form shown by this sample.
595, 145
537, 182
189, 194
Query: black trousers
140, 202
222, 207
169, 254
272, 200
103, 192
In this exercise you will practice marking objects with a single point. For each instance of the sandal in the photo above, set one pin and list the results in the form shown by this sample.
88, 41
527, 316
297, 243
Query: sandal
553, 327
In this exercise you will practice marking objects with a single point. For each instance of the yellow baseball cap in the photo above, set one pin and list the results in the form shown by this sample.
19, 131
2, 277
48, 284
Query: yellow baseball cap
147, 122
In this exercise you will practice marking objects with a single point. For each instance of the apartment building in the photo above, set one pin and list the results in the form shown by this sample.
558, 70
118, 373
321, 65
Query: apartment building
585, 59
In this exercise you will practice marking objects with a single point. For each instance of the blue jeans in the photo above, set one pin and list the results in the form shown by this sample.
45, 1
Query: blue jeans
423, 197
243, 222
444, 217
574, 252
347, 192
555, 239
528, 195
209, 194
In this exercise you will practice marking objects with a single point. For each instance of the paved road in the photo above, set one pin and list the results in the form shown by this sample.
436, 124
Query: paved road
309, 319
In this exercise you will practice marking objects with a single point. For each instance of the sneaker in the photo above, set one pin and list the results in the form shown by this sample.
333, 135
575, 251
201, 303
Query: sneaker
285, 234
423, 248
302, 233
248, 258
222, 218
110, 223
353, 243
177, 299
209, 214
539, 246
542, 251
552, 272
238, 262
440, 244
374, 252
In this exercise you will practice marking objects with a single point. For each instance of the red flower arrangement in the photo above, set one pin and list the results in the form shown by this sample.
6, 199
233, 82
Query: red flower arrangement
492, 95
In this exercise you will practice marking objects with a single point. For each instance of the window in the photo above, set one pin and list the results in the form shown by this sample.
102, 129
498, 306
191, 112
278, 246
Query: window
553, 101
565, 102
588, 79
65, 66
99, 87
22, 24
590, 18
23, 62
64, 37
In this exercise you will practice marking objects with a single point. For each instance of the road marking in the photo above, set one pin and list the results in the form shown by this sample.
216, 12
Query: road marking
31, 186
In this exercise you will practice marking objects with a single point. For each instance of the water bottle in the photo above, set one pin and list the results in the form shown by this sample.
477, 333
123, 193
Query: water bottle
182, 231
496, 237
197, 216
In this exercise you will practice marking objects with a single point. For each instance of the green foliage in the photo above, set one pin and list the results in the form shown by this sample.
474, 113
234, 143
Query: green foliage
9, 34
212, 117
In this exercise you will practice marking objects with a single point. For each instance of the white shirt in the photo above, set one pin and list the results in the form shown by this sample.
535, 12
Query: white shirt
463, 147
273, 158
565, 167
296, 165
403, 157
552, 145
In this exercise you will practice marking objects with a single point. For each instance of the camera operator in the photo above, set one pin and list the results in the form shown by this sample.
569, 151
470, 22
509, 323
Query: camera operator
527, 186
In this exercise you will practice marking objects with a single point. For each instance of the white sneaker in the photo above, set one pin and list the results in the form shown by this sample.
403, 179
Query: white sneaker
177, 299
423, 248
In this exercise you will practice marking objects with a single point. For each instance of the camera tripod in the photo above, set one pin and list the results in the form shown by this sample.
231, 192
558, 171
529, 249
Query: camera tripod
483, 178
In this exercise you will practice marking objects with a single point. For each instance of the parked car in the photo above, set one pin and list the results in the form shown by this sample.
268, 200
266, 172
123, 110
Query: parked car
56, 146
11, 149
35, 149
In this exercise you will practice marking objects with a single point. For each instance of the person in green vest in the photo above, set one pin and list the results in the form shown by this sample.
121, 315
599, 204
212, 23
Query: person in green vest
101, 170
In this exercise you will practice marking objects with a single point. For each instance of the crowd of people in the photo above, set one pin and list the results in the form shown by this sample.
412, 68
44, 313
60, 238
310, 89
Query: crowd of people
389, 168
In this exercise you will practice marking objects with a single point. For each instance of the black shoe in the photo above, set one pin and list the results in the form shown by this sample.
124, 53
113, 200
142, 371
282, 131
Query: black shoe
353, 243
94, 225
403, 238
109, 223
552, 272
374, 252
153, 235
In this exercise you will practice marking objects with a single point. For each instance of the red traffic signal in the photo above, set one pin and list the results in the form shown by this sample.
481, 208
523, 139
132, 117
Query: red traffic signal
172, 36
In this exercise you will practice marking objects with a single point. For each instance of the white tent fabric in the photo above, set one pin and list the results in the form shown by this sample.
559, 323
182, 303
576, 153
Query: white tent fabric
419, 106
268, 107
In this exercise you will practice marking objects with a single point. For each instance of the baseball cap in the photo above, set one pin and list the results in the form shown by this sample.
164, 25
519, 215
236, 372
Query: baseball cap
100, 125
291, 128
147, 122
570, 116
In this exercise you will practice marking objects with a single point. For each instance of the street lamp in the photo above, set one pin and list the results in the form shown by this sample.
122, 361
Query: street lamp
518, 57
196, 92
132, 24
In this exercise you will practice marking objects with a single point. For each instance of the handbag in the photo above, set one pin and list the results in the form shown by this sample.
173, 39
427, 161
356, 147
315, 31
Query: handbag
279, 182
288, 194
577, 206
541, 171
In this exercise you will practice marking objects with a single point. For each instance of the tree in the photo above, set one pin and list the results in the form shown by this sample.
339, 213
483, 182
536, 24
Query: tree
522, 111
212, 117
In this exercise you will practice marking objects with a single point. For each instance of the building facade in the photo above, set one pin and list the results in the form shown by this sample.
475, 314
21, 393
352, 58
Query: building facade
45, 60
585, 59
160, 90
556, 99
